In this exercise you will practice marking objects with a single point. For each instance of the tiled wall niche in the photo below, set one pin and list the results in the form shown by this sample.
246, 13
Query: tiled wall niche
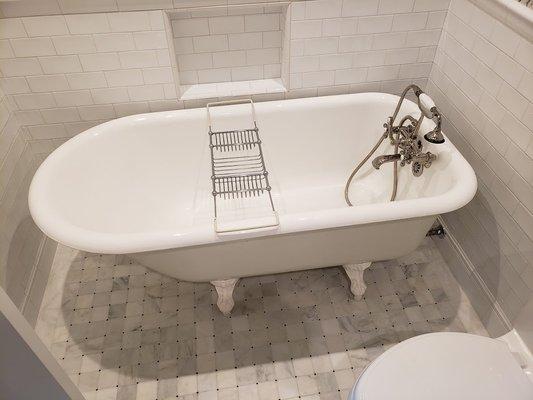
231, 50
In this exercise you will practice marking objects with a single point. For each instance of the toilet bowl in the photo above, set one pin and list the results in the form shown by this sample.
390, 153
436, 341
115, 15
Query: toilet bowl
449, 365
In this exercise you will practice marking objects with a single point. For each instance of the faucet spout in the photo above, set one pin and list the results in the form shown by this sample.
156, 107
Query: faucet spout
380, 160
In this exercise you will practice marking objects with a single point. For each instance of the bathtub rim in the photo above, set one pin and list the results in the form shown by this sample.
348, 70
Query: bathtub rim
463, 189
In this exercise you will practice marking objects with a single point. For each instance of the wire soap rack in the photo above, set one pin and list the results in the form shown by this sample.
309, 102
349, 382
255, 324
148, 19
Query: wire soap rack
239, 176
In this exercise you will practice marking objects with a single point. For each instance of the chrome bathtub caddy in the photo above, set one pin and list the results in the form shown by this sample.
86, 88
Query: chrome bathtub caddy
238, 169
404, 137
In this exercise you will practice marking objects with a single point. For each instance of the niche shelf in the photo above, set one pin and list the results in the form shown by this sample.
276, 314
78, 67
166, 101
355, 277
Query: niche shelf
229, 50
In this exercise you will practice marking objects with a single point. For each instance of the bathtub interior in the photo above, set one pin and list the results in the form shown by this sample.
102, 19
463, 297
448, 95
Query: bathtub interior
152, 172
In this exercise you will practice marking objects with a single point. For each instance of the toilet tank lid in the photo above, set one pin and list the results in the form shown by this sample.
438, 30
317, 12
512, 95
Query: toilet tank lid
443, 366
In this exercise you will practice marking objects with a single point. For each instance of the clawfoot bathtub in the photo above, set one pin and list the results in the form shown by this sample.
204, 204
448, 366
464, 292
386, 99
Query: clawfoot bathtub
141, 185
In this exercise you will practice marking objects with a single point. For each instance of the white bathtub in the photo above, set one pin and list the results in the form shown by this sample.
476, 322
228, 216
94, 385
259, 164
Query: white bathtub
141, 185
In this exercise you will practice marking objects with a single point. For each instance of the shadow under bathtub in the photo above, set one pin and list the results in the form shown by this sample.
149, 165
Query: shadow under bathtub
145, 326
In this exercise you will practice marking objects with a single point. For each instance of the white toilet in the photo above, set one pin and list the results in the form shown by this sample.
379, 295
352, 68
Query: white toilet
458, 366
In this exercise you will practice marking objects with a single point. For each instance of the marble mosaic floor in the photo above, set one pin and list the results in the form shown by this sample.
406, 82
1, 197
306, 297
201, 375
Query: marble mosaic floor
124, 332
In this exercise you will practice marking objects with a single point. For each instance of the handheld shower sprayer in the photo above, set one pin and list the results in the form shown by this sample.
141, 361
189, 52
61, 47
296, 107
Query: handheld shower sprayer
429, 110
404, 138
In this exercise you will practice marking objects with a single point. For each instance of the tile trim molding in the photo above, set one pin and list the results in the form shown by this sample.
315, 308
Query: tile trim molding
516, 16
466, 263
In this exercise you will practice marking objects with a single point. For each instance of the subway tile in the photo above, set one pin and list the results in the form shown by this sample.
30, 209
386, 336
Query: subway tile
58, 115
320, 9
211, 43
261, 22
229, 59
12, 28
395, 6
20, 67
394, 40
348, 44
512, 100
423, 38
45, 25
34, 101
146, 92
135, 5
369, 58
214, 75
73, 98
29, 7
383, 73
86, 80
272, 39
97, 112
190, 27
431, 5
150, 40
400, 56
87, 23
524, 54
82, 6
224, 25
525, 86
183, 45
505, 38
195, 61
508, 69
60, 64
110, 95
410, 22
305, 64
129, 21
515, 130
262, 56
33, 47
350, 76
322, 46
14, 85
243, 41
374, 24
124, 109
138, 59
157, 75
335, 62
99, 61
127, 77
74, 44
106, 42
47, 83
435, 20
163, 57
247, 73
48, 131
318, 78
339, 26
356, 8
306, 29
30, 117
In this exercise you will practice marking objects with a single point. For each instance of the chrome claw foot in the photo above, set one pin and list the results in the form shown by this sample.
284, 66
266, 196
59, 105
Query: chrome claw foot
224, 289
355, 274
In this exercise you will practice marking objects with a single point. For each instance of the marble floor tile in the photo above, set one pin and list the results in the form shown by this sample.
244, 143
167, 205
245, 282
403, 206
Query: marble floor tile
122, 331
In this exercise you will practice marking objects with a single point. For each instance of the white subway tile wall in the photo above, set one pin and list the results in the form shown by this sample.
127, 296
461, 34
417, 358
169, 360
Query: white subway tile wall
482, 82
25, 254
336, 46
